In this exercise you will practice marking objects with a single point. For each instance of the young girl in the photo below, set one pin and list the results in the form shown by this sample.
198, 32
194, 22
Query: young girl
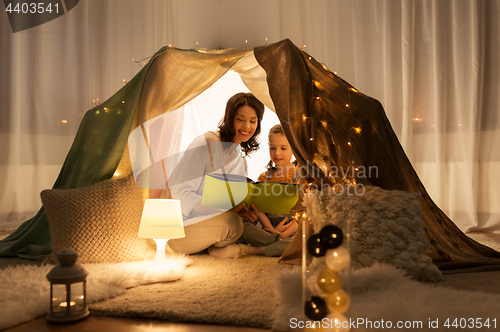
280, 169
276, 234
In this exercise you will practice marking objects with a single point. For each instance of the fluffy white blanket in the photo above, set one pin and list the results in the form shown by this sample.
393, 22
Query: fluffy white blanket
383, 297
25, 289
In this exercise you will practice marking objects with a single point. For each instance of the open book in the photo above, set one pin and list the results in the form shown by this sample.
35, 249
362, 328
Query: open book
227, 191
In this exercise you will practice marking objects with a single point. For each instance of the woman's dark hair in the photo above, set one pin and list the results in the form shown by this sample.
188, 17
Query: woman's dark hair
226, 125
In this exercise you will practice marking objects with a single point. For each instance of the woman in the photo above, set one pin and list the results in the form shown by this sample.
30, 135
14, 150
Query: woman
217, 152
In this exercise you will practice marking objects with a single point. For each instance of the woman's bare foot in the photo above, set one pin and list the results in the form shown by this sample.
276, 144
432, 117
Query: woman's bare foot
230, 251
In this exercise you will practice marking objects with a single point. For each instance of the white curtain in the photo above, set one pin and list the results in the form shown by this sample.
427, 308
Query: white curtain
49, 76
433, 64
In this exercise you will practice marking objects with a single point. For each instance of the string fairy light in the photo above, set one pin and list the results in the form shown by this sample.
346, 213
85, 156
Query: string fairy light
304, 46
124, 81
142, 60
318, 84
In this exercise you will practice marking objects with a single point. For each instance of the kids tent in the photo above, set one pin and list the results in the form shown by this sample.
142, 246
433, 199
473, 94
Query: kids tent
328, 123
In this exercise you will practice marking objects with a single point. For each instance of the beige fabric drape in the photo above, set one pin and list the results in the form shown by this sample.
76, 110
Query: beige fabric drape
331, 125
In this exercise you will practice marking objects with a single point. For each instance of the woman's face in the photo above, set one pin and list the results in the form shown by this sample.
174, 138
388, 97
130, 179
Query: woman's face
245, 124
279, 150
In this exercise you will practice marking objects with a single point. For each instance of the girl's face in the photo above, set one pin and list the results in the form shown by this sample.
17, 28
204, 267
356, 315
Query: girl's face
245, 124
280, 150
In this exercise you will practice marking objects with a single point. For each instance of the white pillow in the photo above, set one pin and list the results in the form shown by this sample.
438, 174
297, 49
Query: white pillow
385, 226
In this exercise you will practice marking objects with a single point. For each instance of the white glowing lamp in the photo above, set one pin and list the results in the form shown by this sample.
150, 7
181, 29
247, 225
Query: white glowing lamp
161, 220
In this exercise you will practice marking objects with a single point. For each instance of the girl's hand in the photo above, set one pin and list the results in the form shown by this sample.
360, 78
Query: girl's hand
281, 226
285, 231
271, 230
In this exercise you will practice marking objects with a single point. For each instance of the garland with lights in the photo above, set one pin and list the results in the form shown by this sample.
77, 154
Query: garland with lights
323, 293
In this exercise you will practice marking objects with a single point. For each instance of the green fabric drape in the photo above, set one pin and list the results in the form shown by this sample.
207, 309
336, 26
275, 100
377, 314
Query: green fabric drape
94, 156
170, 79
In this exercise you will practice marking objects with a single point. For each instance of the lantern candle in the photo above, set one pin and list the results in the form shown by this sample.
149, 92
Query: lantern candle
67, 285
65, 304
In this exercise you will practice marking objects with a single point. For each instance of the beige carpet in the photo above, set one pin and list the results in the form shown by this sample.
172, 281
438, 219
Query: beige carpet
244, 292
236, 292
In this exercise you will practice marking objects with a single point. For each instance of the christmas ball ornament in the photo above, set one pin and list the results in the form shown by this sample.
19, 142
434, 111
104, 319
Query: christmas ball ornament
337, 259
312, 285
338, 322
338, 302
329, 281
313, 327
315, 308
315, 246
331, 236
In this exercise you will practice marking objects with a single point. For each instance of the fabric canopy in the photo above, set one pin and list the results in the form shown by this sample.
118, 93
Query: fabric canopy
330, 125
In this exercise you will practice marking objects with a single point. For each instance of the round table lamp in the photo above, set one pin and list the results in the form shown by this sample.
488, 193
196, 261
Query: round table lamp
161, 220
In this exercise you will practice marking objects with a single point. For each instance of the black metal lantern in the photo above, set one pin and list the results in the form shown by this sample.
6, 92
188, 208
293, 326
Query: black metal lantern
68, 287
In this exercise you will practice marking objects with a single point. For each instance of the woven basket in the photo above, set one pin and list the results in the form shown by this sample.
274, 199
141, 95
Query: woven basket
100, 221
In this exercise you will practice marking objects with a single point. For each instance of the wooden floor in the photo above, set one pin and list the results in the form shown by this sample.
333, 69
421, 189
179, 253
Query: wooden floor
112, 324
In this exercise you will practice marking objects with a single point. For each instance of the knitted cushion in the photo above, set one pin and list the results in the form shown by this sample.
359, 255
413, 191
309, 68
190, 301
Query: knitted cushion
99, 221
385, 226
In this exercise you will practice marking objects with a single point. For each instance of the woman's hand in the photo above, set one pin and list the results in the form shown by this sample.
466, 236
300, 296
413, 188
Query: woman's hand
245, 213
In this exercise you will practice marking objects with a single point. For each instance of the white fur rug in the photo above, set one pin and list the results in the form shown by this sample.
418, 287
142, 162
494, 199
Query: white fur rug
382, 292
25, 289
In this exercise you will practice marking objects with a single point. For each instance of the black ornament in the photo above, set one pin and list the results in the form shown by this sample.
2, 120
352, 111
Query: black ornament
315, 308
331, 236
315, 246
